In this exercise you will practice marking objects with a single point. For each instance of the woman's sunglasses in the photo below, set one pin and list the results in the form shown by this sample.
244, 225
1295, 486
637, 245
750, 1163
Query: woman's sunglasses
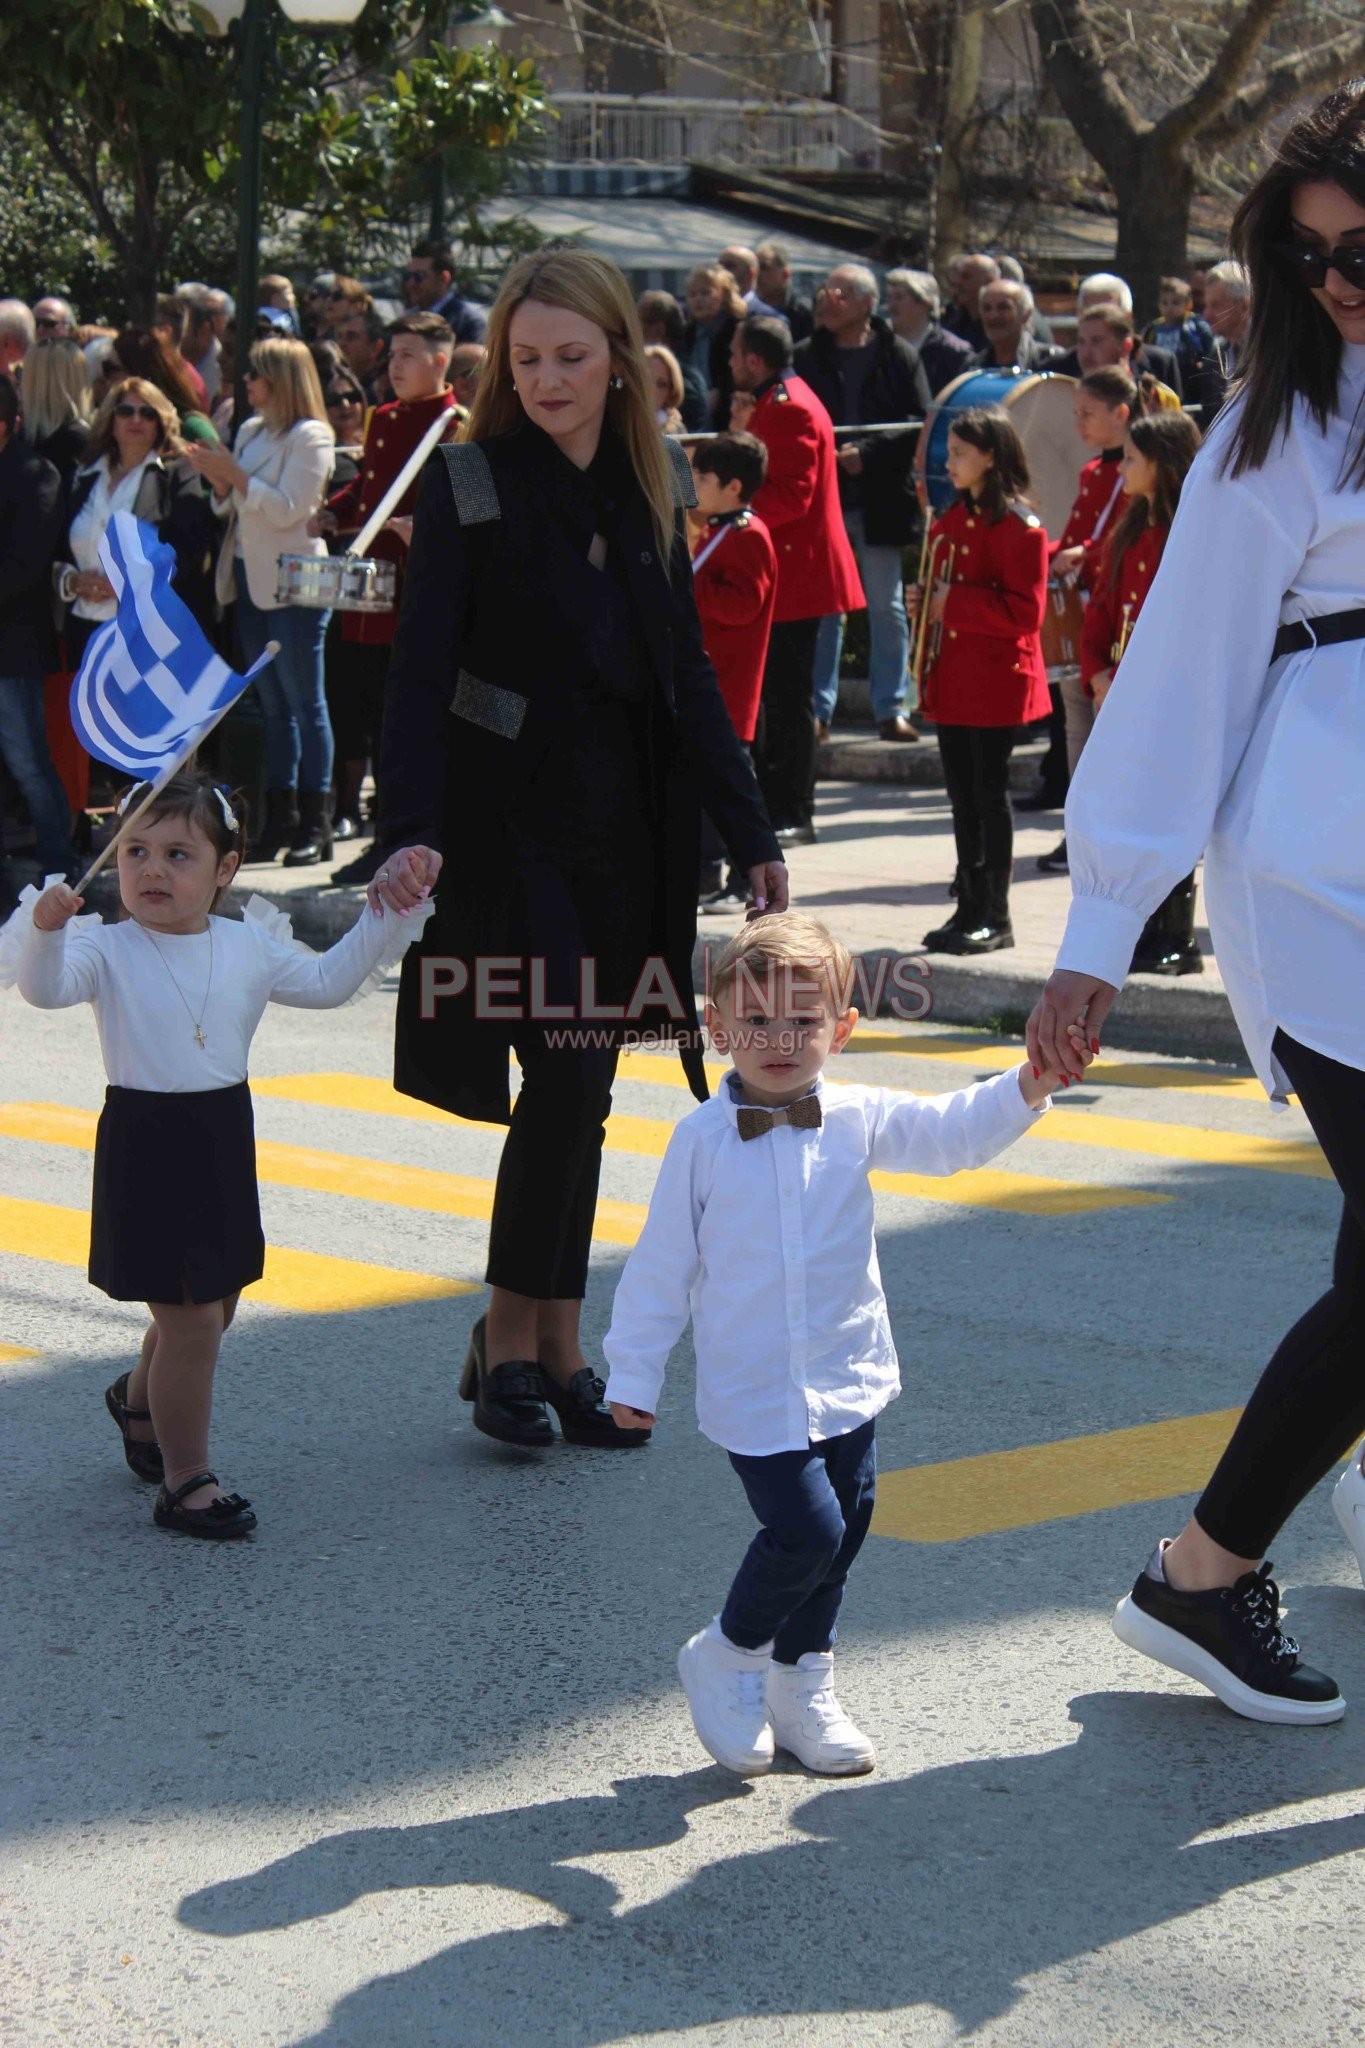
337, 399
1310, 266
137, 412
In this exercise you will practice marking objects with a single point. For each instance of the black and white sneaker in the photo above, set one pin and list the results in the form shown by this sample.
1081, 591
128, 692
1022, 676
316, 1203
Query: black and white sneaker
1231, 1641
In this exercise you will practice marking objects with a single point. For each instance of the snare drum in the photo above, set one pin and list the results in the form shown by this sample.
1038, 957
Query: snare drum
1062, 622
1041, 408
339, 583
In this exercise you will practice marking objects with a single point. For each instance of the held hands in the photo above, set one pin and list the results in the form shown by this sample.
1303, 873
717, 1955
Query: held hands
1035, 1085
630, 1418
769, 885
1069, 1001
56, 907
406, 879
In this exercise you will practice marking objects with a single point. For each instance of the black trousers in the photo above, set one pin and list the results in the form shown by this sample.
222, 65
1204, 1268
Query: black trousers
784, 745
1309, 1405
356, 678
976, 768
546, 1193
1053, 774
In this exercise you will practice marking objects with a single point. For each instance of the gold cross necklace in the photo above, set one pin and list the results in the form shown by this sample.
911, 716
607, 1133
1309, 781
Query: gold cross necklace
197, 1022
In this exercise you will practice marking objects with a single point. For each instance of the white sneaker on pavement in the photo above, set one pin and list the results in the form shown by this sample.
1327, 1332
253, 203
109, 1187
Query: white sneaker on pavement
1348, 1505
724, 1687
808, 1720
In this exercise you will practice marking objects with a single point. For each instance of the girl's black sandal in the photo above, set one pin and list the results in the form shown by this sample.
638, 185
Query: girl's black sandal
144, 1458
227, 1516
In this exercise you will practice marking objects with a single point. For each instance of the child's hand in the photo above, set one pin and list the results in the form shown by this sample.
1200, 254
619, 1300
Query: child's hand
405, 880
630, 1418
56, 907
1035, 1086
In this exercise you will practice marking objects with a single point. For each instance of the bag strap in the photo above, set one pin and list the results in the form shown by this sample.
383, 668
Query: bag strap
684, 483
471, 482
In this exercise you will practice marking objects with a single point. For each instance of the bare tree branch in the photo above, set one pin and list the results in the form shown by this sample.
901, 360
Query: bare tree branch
1293, 78
1095, 103
1191, 116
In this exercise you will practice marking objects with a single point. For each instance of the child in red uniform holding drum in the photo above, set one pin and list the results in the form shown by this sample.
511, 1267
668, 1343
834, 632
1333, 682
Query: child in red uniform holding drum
981, 667
734, 574
1157, 453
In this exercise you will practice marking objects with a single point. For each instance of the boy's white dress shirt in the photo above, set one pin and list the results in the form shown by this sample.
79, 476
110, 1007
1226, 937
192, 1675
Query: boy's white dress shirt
767, 1243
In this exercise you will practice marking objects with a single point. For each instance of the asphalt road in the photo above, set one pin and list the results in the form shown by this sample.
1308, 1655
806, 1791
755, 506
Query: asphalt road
411, 1768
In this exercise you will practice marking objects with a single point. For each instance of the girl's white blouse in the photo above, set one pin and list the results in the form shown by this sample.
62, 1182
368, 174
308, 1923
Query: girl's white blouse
1204, 747
147, 989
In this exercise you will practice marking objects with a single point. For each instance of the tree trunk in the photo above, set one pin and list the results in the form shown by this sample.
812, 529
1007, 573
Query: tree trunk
142, 256
1154, 196
951, 223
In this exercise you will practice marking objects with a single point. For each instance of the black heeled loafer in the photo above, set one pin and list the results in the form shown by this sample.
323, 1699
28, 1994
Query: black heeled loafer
144, 1457
509, 1401
584, 1417
223, 1519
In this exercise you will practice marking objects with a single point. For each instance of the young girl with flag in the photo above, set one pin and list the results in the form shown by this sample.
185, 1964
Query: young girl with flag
178, 993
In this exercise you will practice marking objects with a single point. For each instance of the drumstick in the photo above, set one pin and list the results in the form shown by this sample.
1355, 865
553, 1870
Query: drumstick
440, 425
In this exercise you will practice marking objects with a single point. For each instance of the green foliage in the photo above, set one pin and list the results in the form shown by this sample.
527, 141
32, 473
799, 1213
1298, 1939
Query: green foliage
135, 108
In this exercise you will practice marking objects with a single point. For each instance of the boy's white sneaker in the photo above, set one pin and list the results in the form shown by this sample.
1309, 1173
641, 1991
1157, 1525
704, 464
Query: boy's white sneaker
809, 1721
1348, 1505
724, 1687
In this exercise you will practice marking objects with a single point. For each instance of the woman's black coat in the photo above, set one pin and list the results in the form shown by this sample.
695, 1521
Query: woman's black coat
173, 499
494, 621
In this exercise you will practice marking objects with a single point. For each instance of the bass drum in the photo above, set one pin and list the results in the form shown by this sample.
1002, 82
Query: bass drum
1041, 408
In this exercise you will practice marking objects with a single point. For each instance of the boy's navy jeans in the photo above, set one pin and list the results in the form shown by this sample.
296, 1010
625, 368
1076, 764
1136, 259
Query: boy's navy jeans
815, 1506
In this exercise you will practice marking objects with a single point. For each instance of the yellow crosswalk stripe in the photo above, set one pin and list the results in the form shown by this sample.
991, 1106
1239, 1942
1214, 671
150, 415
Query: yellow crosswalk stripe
327, 1173
961, 1049
981, 1188
11, 1353
310, 1283
1081, 1475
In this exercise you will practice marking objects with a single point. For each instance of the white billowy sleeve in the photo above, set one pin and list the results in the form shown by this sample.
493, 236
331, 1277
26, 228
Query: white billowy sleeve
52, 970
653, 1296
355, 965
1183, 705
945, 1133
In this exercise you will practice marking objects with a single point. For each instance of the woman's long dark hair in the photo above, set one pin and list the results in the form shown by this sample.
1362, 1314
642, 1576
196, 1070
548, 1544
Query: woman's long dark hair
990, 429
1170, 440
144, 353
1293, 349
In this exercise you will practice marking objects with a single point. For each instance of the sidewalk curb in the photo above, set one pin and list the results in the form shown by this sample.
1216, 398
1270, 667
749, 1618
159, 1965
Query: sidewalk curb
862, 757
1151, 1015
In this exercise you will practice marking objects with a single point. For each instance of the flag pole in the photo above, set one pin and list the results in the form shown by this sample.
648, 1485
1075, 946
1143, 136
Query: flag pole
271, 650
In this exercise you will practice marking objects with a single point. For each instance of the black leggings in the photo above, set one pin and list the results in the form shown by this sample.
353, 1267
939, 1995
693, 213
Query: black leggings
1308, 1407
976, 768
546, 1194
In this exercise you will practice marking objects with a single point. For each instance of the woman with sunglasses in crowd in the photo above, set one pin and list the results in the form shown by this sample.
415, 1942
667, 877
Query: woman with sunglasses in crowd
1236, 729
136, 463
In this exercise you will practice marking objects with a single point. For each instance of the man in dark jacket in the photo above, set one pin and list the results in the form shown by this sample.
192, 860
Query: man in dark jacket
1006, 310
1104, 334
30, 522
864, 375
775, 285
913, 307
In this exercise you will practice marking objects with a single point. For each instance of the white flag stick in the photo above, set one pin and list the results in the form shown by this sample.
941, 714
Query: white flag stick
172, 768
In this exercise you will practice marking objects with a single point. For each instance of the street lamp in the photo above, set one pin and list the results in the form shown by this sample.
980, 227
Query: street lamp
254, 16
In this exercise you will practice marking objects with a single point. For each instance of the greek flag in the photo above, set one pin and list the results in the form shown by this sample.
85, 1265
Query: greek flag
149, 686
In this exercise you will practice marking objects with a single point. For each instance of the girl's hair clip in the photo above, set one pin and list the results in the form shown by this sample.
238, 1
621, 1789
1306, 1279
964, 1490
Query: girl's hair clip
126, 799
224, 796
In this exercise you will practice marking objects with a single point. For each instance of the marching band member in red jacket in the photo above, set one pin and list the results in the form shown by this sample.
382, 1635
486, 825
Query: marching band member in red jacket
982, 673
816, 570
420, 347
734, 572
1157, 454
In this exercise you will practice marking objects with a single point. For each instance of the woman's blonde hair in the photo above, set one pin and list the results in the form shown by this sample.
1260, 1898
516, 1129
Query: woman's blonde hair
102, 440
655, 352
295, 393
721, 280
581, 282
56, 386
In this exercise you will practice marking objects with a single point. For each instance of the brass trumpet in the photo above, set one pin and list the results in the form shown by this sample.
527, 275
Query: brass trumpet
927, 640
1125, 633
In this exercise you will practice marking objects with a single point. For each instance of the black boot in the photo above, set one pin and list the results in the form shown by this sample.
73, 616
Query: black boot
281, 823
313, 840
944, 936
1168, 944
990, 930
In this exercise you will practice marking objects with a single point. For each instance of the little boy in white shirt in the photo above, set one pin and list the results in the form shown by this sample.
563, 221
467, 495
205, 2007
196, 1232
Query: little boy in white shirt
760, 1229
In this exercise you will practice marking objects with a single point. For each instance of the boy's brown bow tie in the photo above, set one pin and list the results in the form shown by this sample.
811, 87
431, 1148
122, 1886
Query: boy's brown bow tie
805, 1114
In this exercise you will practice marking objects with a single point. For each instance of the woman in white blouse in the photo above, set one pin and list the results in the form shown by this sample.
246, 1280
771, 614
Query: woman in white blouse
136, 463
1236, 729
269, 488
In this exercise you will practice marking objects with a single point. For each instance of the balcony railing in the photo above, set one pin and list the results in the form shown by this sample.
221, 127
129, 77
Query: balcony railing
612, 128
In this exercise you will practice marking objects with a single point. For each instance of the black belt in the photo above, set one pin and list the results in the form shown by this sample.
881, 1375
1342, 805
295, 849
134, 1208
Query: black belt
1327, 631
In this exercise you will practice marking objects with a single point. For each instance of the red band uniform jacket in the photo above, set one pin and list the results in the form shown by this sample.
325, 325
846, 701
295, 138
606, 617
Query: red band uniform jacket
736, 590
799, 504
1093, 516
989, 667
1111, 614
391, 434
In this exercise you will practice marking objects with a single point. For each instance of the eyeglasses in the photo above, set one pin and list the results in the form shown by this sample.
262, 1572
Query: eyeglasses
136, 412
416, 276
1310, 266
337, 399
